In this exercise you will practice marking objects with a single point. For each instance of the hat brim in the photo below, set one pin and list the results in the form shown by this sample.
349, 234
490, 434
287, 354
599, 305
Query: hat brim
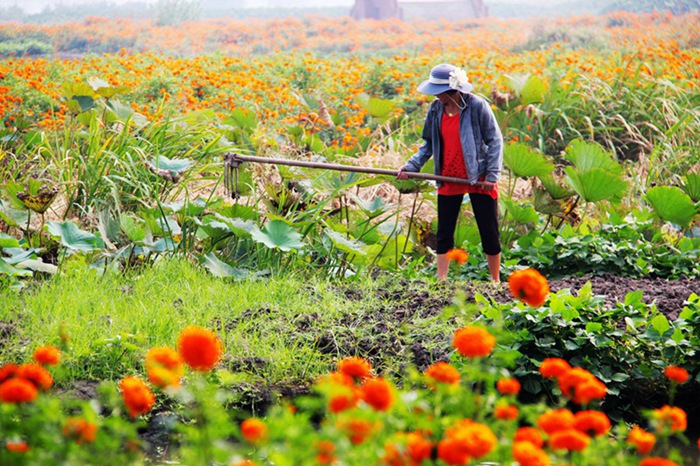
426, 87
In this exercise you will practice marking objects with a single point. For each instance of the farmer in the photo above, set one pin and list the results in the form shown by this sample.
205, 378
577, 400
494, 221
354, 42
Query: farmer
462, 134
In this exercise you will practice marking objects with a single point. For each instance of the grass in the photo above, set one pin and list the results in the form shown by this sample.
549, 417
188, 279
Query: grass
284, 329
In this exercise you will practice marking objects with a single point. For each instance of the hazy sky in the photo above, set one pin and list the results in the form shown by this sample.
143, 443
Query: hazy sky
34, 6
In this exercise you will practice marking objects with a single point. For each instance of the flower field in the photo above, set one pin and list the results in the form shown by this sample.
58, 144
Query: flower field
174, 287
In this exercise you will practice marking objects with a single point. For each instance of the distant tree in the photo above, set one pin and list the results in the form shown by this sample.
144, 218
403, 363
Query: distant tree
172, 12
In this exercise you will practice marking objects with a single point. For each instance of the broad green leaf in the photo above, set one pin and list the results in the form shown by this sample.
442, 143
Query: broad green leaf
37, 265
634, 297
175, 166
278, 235
524, 161
125, 113
544, 203
660, 324
12, 216
590, 156
243, 118
594, 327
379, 109
85, 102
677, 335
344, 244
372, 208
219, 268
73, 237
596, 184
7, 269
533, 90
521, 213
239, 226
70, 90
555, 189
671, 204
691, 186
7, 241
135, 229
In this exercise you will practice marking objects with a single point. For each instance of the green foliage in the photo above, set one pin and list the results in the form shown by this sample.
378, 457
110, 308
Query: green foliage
523, 161
672, 204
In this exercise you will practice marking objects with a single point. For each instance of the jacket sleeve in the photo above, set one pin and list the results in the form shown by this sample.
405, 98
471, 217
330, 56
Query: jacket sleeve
492, 137
425, 151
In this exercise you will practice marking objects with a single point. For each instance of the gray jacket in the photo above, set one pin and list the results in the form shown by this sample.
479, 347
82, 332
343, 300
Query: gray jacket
482, 142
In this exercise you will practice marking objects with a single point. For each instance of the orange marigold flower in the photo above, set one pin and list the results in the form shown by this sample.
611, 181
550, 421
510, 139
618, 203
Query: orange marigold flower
79, 430
556, 420
506, 412
473, 342
452, 452
378, 393
581, 386
476, 439
355, 367
676, 374
325, 452
199, 347
442, 372
36, 374
138, 398
529, 286
342, 400
358, 430
47, 355
642, 440
8, 371
657, 462
419, 448
554, 367
670, 417
336, 378
17, 446
593, 423
529, 434
17, 390
508, 386
164, 366
458, 255
254, 430
528, 454
569, 439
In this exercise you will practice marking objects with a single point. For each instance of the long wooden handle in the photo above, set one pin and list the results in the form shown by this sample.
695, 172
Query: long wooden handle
344, 168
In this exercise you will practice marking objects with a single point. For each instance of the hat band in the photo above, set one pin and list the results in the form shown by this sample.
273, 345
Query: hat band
433, 80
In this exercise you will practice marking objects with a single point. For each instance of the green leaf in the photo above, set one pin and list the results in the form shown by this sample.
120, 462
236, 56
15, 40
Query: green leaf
243, 118
134, 228
544, 203
73, 237
590, 156
691, 186
372, 208
594, 327
634, 297
7, 269
521, 213
175, 166
677, 335
524, 161
7, 241
278, 235
533, 90
379, 109
219, 268
70, 90
596, 184
671, 204
660, 324
344, 244
554, 189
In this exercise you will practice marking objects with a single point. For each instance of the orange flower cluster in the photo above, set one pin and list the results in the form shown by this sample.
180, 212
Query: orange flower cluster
17, 447
642, 440
442, 373
378, 393
473, 342
254, 431
355, 367
79, 430
508, 386
138, 398
458, 255
657, 462
21, 384
358, 430
506, 412
553, 368
410, 449
164, 366
464, 440
529, 286
200, 348
676, 374
47, 355
670, 418
575, 383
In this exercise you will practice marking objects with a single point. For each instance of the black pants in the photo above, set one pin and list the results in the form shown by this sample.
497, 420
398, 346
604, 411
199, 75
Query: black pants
486, 214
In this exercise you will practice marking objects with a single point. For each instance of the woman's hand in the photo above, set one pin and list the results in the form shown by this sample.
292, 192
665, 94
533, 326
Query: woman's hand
488, 185
401, 174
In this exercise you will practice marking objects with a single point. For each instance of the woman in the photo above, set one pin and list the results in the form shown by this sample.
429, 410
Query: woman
462, 134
